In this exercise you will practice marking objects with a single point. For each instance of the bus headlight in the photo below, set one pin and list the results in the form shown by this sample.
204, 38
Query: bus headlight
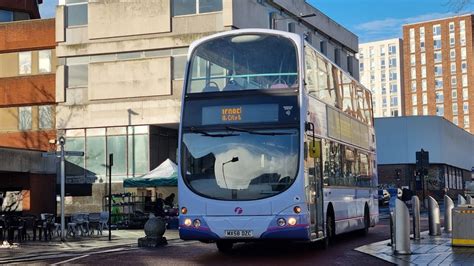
281, 222
187, 222
197, 223
297, 209
292, 221
184, 210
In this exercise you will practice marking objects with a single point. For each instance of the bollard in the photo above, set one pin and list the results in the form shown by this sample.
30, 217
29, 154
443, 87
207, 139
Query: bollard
402, 228
468, 199
461, 200
433, 217
415, 203
448, 210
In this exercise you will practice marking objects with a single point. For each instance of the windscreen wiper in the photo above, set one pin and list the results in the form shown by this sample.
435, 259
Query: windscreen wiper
204, 133
257, 133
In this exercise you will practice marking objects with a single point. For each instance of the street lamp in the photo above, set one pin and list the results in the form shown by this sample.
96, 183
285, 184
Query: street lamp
233, 160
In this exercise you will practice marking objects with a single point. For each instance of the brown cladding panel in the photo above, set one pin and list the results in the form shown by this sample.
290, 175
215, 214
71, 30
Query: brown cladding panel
28, 90
27, 35
34, 140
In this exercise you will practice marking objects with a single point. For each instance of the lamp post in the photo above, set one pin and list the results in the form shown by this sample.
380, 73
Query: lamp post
233, 160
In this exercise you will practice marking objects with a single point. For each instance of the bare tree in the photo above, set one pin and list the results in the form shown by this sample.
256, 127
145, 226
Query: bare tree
458, 5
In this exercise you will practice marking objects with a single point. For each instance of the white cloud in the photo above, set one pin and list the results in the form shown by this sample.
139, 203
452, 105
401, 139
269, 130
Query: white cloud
48, 8
391, 27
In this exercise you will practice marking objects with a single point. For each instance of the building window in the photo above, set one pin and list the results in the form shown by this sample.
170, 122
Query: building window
413, 99
412, 60
24, 121
78, 75
464, 67
384, 90
24, 59
439, 110
437, 56
464, 94
392, 49
455, 120
382, 63
423, 58
291, 27
438, 83
437, 44
423, 85
453, 68
44, 65
412, 33
439, 97
384, 102
466, 121
424, 98
465, 107
76, 14
393, 75
412, 46
361, 66
451, 26
392, 62
452, 40
393, 101
413, 85
425, 110
462, 32
6, 16
463, 53
452, 54
393, 88
382, 50
464, 80
46, 120
454, 95
191, 7
382, 77
423, 72
414, 110
438, 69
454, 82
455, 109
437, 30
413, 73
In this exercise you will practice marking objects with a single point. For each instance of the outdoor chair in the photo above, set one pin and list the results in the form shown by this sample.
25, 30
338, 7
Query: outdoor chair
94, 223
14, 224
29, 225
104, 220
45, 226
78, 223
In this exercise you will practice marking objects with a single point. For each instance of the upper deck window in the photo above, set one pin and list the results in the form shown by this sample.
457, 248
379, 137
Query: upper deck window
243, 62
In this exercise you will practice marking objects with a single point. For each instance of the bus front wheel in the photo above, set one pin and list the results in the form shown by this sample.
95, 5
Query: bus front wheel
224, 246
330, 228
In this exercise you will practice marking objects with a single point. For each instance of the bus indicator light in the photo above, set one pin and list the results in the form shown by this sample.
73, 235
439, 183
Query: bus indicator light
197, 223
184, 210
297, 209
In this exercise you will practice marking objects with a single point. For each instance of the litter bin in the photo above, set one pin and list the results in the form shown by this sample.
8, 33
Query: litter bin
463, 222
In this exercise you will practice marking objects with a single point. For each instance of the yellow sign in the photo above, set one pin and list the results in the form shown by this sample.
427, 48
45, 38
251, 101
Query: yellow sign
314, 149
231, 114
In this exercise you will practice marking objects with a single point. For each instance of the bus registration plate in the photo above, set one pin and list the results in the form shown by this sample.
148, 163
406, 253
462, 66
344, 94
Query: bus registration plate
238, 233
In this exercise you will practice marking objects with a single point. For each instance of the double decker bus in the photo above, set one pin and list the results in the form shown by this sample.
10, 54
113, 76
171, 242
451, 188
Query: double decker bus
276, 142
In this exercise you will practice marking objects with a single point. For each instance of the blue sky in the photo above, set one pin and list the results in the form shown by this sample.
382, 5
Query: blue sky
371, 20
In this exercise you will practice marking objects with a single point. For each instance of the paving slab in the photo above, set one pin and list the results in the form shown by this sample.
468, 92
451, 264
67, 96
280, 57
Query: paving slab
36, 250
429, 250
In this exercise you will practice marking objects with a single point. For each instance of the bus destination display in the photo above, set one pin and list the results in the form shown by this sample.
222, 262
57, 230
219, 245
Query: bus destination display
213, 115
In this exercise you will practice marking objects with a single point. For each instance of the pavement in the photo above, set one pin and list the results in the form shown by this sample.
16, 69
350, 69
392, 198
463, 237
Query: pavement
37, 250
430, 250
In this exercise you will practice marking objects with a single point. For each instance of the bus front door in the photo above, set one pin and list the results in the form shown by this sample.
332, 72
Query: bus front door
314, 186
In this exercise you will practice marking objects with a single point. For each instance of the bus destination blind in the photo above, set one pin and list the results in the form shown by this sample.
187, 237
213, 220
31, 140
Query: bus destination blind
229, 114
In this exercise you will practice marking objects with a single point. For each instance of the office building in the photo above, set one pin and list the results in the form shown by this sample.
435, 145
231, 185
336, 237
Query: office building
120, 76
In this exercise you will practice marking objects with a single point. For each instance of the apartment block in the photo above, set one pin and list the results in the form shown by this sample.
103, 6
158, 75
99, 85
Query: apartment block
439, 70
120, 76
381, 71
